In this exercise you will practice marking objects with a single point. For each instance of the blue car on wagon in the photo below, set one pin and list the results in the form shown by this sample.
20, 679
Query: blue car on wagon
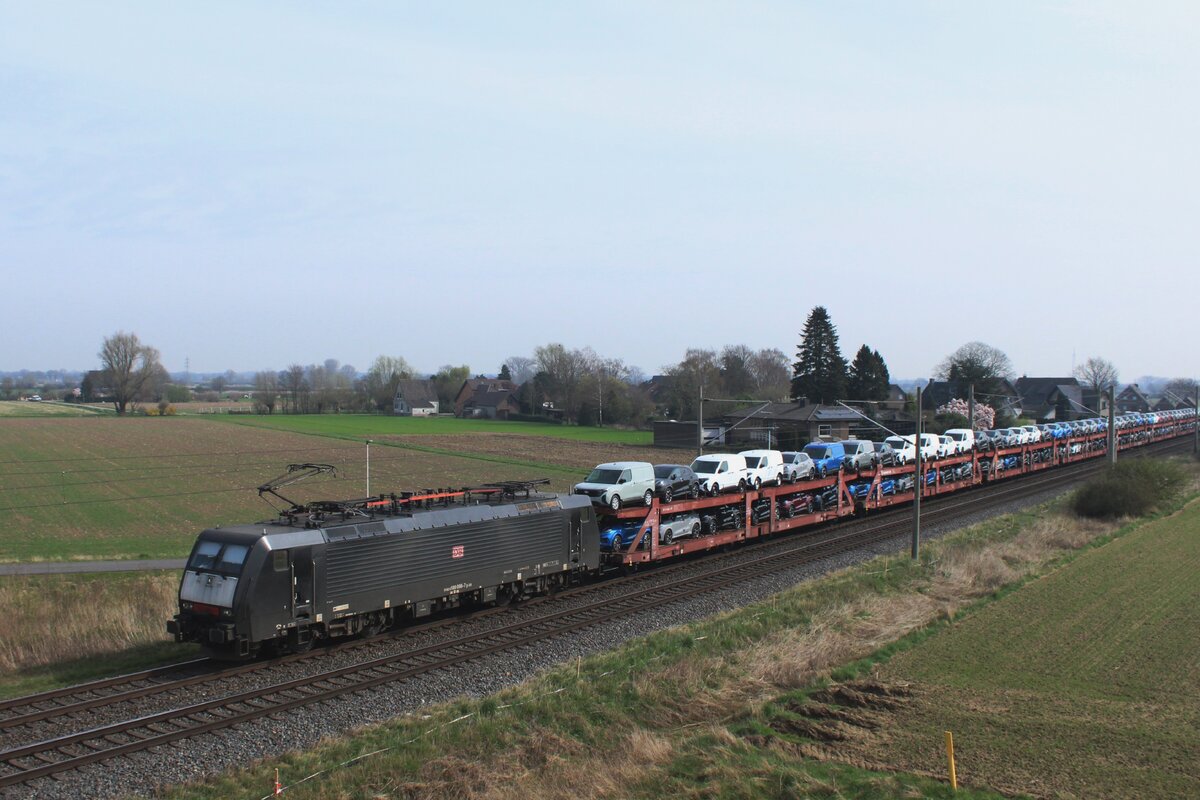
828, 457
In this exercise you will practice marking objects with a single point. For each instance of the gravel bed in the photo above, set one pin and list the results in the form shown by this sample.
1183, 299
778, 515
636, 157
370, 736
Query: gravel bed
140, 773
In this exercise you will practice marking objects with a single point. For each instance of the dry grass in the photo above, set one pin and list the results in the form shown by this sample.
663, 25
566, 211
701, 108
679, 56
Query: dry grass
843, 632
544, 766
699, 696
52, 618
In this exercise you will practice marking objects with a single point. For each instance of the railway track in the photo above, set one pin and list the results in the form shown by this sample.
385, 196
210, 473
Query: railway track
70, 751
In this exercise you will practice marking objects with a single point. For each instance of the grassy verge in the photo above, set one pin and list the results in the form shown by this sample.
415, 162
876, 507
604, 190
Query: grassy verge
62, 629
719, 708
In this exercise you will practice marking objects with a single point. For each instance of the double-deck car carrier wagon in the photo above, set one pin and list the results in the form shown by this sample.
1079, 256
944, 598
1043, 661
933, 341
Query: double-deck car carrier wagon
732, 518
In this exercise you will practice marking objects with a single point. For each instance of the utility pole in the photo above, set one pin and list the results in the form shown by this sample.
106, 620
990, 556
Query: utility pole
1196, 420
971, 406
918, 486
1112, 426
601, 385
700, 424
368, 467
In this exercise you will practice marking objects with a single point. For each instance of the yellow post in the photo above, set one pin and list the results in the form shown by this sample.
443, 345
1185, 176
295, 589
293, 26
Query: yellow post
950, 758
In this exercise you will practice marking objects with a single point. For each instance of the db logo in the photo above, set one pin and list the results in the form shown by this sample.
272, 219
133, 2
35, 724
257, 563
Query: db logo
456, 551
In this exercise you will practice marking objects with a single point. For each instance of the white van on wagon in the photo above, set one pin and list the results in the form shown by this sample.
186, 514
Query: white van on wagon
718, 472
763, 466
619, 483
964, 439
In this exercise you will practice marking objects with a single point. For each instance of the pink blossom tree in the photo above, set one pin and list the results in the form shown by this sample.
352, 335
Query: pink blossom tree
985, 415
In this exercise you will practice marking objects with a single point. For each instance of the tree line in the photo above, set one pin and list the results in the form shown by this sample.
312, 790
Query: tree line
582, 386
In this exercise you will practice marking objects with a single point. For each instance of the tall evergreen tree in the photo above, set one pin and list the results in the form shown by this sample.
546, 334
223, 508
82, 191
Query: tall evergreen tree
819, 373
883, 378
869, 377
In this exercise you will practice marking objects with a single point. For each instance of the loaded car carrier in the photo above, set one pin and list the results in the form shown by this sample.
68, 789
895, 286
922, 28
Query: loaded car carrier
742, 516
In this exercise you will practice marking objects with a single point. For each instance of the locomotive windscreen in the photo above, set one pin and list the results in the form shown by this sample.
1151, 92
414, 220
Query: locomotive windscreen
223, 558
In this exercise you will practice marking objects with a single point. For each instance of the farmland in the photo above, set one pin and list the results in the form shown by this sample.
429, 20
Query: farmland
1083, 684
137, 487
362, 426
17, 408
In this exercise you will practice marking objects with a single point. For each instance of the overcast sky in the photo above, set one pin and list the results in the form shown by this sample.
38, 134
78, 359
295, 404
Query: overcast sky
248, 185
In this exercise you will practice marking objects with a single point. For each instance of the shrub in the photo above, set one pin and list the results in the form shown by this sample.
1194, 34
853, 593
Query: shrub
1130, 489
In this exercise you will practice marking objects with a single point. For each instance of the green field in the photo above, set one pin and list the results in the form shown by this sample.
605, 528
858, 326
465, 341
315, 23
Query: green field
19, 408
139, 487
364, 426
1083, 684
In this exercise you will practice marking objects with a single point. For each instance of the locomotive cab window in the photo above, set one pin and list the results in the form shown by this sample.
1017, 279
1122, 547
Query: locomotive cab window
220, 557
205, 556
279, 560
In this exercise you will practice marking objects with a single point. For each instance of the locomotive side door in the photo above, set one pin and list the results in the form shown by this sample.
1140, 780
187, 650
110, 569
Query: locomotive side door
577, 520
304, 582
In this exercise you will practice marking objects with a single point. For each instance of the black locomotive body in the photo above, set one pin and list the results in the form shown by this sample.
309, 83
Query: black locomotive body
285, 583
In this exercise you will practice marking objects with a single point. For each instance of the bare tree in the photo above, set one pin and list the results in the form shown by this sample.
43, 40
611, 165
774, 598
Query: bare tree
772, 374
564, 368
698, 368
521, 368
382, 379
976, 363
1180, 389
266, 392
293, 381
1098, 373
128, 365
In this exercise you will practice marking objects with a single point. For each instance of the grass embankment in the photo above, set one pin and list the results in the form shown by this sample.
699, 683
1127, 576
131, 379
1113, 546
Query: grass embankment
58, 630
138, 487
735, 706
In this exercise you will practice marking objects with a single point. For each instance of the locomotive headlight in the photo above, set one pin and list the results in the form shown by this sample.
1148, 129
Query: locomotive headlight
185, 605
226, 612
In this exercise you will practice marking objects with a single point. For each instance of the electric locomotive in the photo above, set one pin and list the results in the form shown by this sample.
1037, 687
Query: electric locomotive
338, 568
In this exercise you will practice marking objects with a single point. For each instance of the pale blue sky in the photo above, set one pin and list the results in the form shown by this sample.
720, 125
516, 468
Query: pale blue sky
250, 185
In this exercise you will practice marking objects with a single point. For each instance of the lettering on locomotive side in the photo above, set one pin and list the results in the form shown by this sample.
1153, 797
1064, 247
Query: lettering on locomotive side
458, 587
457, 551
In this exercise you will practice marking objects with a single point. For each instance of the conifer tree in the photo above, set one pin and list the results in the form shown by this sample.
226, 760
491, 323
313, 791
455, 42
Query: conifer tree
869, 377
819, 373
